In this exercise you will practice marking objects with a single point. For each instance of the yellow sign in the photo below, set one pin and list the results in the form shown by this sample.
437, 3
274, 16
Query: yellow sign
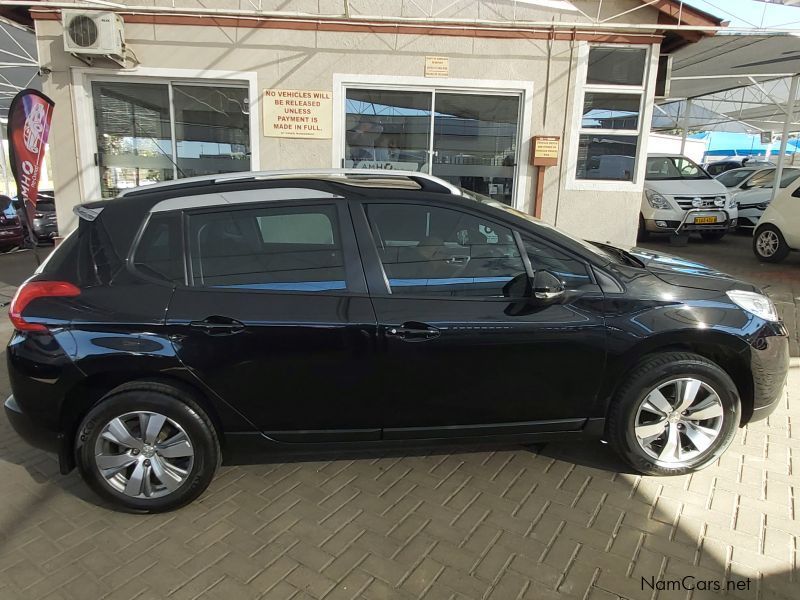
546, 147
545, 151
298, 114
437, 66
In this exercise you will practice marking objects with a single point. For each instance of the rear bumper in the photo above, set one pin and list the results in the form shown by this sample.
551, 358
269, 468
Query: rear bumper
32, 432
10, 238
769, 365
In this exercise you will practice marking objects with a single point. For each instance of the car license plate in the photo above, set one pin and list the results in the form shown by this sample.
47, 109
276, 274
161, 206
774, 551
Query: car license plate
702, 220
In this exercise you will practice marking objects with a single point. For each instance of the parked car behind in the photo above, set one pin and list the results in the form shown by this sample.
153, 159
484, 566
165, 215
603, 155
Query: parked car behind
680, 197
287, 312
751, 188
778, 231
11, 235
720, 166
43, 218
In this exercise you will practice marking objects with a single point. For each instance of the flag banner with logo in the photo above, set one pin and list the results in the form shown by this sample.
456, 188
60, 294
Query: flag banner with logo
28, 127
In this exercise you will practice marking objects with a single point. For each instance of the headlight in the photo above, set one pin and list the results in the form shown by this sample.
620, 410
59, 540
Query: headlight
719, 201
756, 304
656, 200
731, 202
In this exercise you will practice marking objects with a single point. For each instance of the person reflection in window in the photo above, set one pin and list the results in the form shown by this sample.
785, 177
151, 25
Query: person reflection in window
362, 141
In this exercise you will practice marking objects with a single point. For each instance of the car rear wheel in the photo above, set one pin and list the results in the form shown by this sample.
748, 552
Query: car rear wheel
712, 236
147, 447
769, 244
676, 413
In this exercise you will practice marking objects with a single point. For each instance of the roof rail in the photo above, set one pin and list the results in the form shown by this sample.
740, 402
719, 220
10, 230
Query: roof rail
428, 183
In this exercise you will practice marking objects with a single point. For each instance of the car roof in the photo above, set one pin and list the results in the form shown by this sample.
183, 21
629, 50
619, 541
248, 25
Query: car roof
383, 178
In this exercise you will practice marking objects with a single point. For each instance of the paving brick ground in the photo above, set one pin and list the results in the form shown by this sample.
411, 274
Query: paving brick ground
559, 521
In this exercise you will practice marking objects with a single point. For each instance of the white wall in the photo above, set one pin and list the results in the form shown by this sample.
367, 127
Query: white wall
311, 60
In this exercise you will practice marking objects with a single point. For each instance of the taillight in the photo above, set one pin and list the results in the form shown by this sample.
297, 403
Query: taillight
30, 291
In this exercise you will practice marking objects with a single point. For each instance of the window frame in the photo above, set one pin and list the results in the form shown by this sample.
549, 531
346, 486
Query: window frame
83, 101
490, 87
353, 271
645, 90
377, 279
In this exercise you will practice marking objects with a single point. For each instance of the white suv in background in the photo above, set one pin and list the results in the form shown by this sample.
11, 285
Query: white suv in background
778, 230
680, 197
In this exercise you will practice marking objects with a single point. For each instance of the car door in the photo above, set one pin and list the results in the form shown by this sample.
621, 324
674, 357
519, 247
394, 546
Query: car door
458, 357
276, 320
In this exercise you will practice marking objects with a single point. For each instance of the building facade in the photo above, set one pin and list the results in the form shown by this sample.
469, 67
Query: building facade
460, 94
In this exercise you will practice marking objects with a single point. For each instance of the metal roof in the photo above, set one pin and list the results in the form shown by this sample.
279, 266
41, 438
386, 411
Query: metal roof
19, 66
737, 82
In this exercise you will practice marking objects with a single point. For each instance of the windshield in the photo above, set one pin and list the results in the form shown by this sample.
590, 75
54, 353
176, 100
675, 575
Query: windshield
730, 179
605, 255
662, 168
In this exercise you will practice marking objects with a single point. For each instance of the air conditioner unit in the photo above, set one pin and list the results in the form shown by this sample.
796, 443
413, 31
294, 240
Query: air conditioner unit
93, 33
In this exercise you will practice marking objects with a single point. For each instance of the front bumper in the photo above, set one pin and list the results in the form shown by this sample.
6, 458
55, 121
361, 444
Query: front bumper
29, 430
769, 365
670, 226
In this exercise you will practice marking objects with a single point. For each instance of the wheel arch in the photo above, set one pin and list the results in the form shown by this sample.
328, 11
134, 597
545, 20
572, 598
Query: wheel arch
89, 392
731, 353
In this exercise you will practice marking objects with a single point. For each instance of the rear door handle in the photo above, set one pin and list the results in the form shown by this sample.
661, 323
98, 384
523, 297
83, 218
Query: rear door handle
218, 325
413, 332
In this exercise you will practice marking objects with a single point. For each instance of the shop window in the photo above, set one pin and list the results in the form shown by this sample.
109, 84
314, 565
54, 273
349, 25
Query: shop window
278, 249
153, 132
608, 139
432, 251
468, 139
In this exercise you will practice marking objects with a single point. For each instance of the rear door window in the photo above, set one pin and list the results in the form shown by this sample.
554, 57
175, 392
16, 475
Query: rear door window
296, 248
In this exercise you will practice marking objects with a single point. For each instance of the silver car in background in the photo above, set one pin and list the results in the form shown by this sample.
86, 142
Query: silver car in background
751, 188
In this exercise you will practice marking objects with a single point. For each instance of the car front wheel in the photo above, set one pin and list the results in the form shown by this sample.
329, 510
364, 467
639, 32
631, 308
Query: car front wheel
147, 447
676, 413
769, 244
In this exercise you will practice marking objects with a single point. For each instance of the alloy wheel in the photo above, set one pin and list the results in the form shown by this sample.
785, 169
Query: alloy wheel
144, 454
679, 420
767, 243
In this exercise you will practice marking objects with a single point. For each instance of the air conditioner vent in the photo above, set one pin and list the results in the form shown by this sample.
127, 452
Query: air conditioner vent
97, 33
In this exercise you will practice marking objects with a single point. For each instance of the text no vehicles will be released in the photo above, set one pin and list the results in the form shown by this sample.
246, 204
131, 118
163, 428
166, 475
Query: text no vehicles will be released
298, 113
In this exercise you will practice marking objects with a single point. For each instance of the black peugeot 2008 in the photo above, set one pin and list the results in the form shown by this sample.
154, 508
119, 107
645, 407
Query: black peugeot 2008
328, 310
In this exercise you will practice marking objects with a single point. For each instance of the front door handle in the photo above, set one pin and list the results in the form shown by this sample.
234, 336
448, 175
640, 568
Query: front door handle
216, 325
413, 332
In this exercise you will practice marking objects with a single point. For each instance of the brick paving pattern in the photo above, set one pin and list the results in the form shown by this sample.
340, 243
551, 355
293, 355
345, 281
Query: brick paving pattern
558, 521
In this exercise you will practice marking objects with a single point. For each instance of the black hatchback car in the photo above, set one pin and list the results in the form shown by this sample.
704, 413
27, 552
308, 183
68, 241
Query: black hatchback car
331, 310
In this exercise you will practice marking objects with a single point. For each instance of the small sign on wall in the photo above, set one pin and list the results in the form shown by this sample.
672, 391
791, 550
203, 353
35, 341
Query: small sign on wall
437, 66
545, 150
298, 114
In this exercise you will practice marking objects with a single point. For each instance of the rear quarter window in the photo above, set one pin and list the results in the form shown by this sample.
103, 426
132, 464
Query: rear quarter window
159, 253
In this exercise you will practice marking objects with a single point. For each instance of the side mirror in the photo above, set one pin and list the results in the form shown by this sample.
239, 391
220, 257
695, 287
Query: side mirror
5, 202
547, 288
520, 286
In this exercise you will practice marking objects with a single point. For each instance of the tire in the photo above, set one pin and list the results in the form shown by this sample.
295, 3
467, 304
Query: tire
168, 476
642, 234
673, 452
769, 245
712, 236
